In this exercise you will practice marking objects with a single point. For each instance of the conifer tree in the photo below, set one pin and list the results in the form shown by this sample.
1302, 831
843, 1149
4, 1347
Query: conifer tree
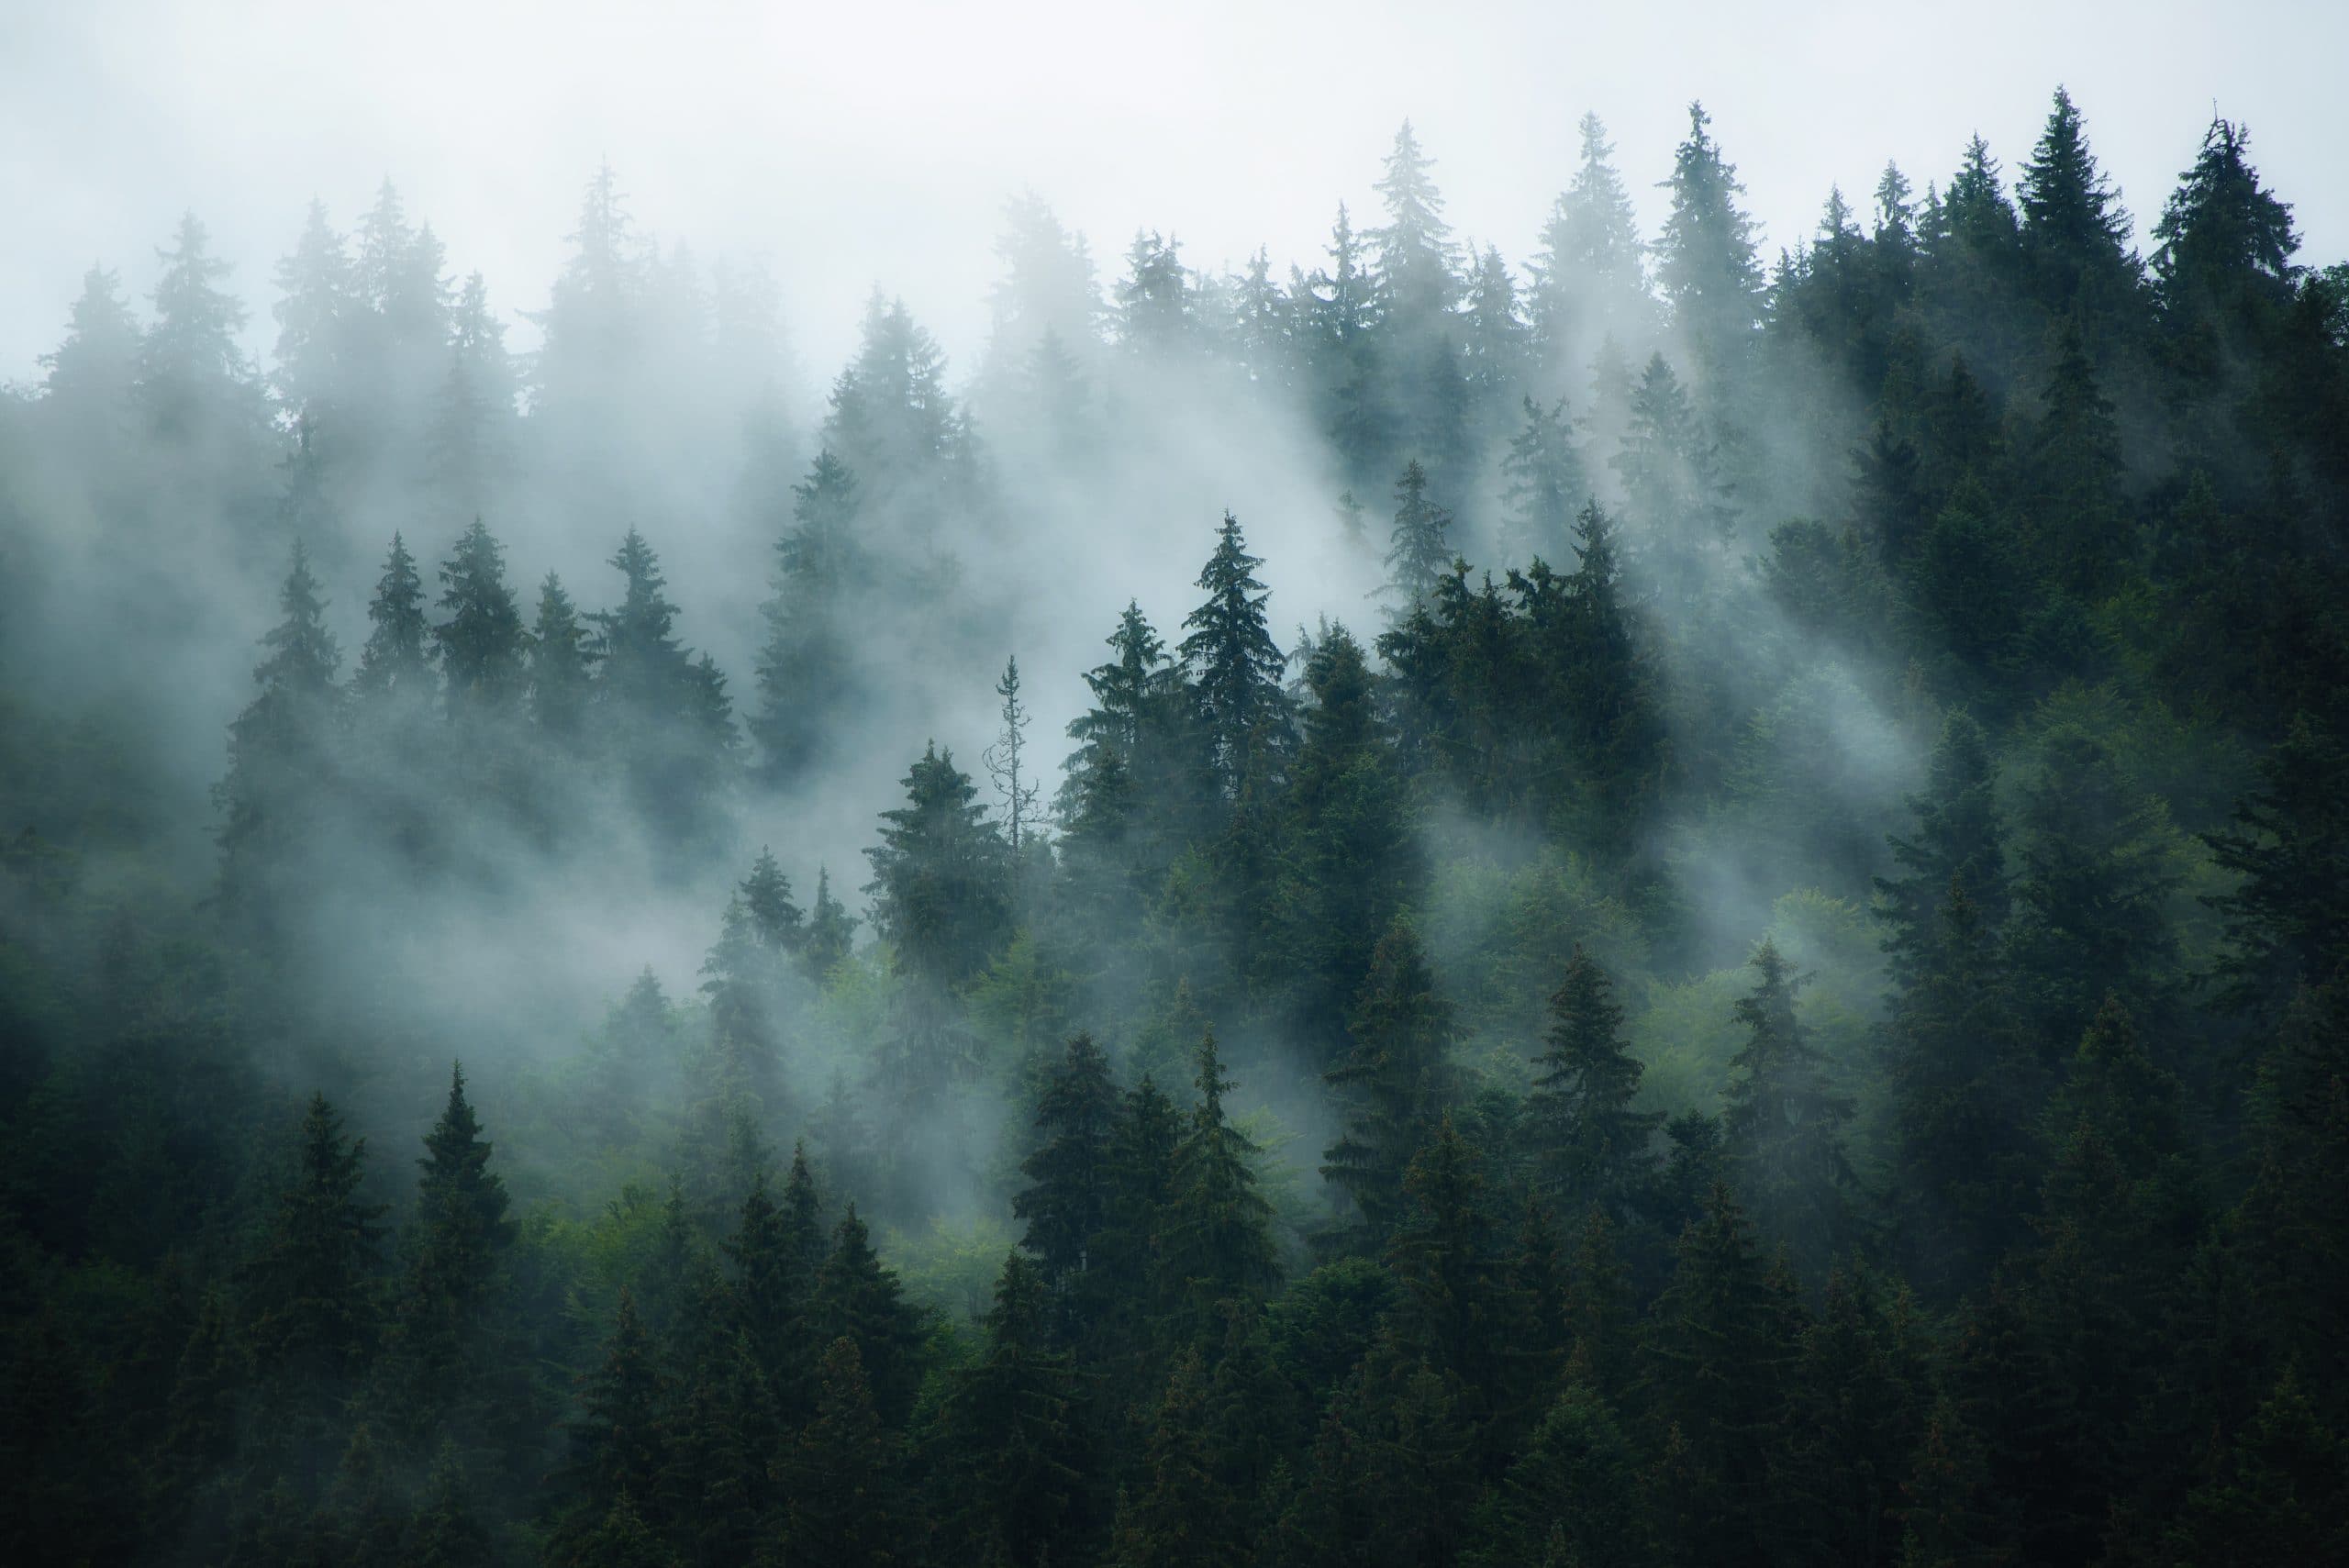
619, 1439
1398, 1081
1590, 275
840, 1478
1230, 659
1015, 1486
195, 382
1589, 1146
2226, 243
1705, 260
1716, 1357
1964, 1084
2075, 230
805, 665
1418, 550
2091, 890
91, 378
1959, 842
482, 643
397, 659
1349, 861
560, 662
309, 1292
938, 875
1215, 1241
1066, 1201
1413, 276
830, 929
280, 752
1545, 483
1181, 1513
857, 1299
1782, 1126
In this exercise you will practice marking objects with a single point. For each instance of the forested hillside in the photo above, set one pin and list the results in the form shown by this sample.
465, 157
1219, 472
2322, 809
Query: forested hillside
1693, 909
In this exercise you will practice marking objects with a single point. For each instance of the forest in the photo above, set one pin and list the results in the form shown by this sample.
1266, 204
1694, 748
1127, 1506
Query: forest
1652, 906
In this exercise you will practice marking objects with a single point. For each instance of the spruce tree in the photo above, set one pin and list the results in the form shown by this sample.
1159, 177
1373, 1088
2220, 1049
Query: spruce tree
397, 659
1959, 842
1782, 1125
1230, 659
482, 644
1066, 1200
1418, 550
307, 1293
1590, 1148
1398, 1082
1180, 1513
560, 662
841, 1477
1214, 1242
1706, 265
857, 1299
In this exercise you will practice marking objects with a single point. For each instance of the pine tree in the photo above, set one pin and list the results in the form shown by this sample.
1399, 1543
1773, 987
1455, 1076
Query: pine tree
1959, 842
307, 1293
830, 930
1014, 1485
938, 875
1418, 550
1230, 659
560, 662
1066, 1201
195, 382
1965, 1085
805, 666
1589, 1146
1716, 1358
482, 644
396, 661
1397, 1081
857, 1299
2288, 920
840, 1478
2092, 885
1182, 1514
2074, 232
280, 753
1672, 491
2225, 241
1003, 760
91, 378
1574, 1495
1705, 260
1413, 275
2075, 466
1545, 483
1349, 860
1590, 275
444, 1349
317, 316
1782, 1124
470, 435
1215, 1241
620, 1437
1451, 1304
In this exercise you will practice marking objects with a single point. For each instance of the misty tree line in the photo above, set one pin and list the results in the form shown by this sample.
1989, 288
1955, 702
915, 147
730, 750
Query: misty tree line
1810, 982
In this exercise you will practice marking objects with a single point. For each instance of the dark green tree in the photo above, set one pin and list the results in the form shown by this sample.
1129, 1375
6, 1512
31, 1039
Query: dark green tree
1396, 1080
1589, 1146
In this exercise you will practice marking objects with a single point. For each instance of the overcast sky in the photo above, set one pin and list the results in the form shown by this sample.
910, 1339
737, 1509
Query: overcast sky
854, 143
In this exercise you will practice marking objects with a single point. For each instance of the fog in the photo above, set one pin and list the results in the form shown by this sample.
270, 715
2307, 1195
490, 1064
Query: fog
851, 145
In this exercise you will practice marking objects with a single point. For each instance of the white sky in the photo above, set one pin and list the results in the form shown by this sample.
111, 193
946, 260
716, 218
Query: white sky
849, 143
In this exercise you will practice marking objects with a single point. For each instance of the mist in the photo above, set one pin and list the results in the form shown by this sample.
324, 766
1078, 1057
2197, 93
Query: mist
1088, 792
